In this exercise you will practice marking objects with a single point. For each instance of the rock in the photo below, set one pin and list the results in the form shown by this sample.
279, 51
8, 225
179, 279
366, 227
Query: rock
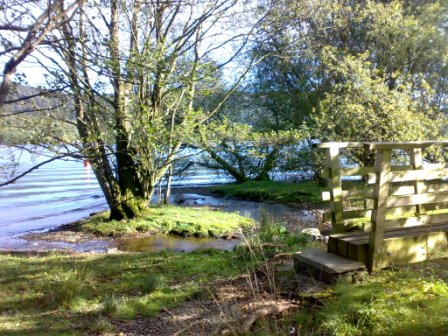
314, 233
112, 250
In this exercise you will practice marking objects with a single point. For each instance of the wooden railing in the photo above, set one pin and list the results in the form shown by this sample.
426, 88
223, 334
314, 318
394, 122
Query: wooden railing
390, 196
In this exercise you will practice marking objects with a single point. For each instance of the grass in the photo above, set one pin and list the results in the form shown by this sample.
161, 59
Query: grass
272, 238
74, 295
81, 294
57, 294
303, 192
407, 301
188, 222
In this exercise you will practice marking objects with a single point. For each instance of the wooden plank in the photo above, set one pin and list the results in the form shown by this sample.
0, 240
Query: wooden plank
419, 175
397, 190
332, 246
412, 175
404, 250
361, 171
328, 262
342, 248
358, 193
436, 206
353, 214
419, 186
335, 189
326, 196
381, 192
357, 171
435, 187
410, 221
418, 199
360, 239
403, 145
338, 145
353, 252
404, 211
416, 221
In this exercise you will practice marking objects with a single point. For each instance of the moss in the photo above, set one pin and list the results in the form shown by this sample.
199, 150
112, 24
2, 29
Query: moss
194, 222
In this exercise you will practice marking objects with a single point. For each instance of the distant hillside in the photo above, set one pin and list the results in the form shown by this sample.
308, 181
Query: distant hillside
29, 111
23, 98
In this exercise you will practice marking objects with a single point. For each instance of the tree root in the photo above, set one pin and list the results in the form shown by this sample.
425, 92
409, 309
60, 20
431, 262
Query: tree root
265, 309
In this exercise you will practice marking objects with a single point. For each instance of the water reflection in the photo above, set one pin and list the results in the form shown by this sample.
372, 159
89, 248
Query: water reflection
177, 244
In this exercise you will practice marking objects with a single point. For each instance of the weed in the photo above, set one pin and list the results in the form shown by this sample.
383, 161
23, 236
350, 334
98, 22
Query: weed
392, 303
150, 282
110, 304
64, 287
271, 238
101, 325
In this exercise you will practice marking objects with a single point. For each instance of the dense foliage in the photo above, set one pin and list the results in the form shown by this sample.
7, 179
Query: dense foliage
142, 80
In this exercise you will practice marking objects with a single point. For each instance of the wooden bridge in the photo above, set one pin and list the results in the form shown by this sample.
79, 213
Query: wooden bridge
397, 214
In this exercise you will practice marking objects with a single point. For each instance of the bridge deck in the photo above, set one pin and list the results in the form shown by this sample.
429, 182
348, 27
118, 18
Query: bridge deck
400, 245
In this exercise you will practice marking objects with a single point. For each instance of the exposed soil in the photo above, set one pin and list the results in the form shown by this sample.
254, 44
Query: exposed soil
66, 233
225, 306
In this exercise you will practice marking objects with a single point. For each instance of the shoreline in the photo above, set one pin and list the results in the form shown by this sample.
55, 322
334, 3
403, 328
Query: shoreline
68, 236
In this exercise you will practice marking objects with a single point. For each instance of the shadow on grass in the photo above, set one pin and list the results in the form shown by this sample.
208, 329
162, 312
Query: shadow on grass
71, 291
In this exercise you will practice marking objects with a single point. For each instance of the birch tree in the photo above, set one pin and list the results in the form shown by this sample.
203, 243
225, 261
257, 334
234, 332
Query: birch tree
134, 69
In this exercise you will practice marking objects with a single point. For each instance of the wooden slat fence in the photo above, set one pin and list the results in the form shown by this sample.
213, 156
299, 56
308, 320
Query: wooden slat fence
390, 196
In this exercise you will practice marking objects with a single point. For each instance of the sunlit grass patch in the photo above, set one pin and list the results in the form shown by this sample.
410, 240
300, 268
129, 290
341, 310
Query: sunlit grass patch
409, 301
74, 295
197, 222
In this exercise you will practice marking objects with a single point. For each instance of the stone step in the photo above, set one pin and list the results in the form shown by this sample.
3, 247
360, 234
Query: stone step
328, 267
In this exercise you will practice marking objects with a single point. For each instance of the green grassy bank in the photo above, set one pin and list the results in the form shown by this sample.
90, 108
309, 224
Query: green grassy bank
57, 294
93, 294
184, 221
282, 192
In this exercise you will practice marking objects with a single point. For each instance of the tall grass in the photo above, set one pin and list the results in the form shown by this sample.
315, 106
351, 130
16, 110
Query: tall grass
64, 287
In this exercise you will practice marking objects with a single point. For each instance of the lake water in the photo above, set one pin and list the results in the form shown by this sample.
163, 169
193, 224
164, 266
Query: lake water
62, 192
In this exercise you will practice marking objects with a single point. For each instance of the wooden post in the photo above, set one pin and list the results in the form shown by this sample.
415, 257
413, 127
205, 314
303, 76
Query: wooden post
417, 163
381, 192
337, 220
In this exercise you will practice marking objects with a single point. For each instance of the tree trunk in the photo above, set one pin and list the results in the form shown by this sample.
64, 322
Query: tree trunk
166, 198
268, 165
120, 203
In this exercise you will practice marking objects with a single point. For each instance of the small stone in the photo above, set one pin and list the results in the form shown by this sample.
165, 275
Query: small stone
112, 250
314, 233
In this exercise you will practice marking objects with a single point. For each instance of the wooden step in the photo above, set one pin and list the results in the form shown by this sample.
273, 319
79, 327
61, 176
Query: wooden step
328, 267
400, 245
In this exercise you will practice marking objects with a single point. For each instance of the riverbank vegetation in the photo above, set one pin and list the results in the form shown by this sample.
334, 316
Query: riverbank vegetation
307, 192
294, 74
182, 221
58, 294
133, 87
97, 294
